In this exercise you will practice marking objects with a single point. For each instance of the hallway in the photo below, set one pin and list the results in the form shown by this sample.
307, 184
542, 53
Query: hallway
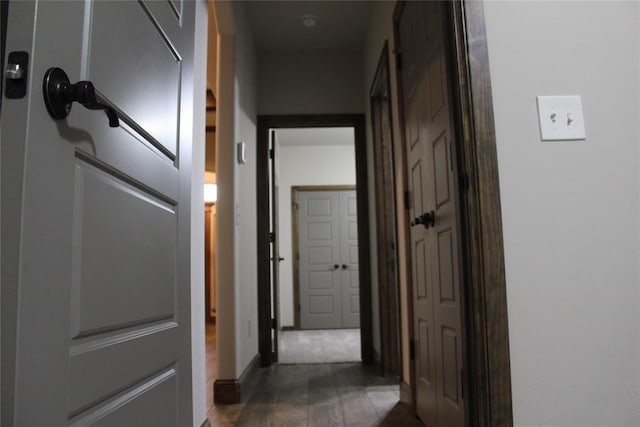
343, 394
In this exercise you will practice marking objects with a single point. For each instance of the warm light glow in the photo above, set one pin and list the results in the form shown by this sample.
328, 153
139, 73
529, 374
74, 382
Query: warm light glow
210, 193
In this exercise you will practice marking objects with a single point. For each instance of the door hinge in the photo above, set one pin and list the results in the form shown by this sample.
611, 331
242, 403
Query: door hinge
274, 324
407, 199
271, 153
451, 158
462, 383
464, 182
412, 350
272, 237
398, 53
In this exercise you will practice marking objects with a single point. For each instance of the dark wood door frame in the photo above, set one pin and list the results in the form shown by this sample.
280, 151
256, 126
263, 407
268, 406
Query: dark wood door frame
487, 365
357, 121
385, 199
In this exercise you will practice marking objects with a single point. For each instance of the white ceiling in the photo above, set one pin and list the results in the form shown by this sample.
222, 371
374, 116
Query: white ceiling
315, 136
277, 25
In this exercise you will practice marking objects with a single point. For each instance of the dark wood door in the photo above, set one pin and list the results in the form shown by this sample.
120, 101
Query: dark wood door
432, 182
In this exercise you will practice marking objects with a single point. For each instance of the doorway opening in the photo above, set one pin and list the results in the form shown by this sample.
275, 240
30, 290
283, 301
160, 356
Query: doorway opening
210, 199
316, 291
311, 153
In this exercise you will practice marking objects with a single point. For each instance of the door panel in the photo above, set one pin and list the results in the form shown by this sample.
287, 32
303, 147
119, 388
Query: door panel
450, 368
127, 351
441, 172
322, 304
148, 403
108, 269
445, 267
103, 219
151, 67
433, 187
176, 5
424, 340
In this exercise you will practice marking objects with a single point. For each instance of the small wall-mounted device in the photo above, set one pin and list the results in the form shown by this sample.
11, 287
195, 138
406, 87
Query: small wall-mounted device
561, 118
241, 150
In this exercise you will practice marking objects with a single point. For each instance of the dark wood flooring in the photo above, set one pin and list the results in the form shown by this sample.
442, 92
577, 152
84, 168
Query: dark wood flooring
341, 394
211, 360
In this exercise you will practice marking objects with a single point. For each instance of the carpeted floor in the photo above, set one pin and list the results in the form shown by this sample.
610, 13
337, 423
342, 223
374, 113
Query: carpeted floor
320, 346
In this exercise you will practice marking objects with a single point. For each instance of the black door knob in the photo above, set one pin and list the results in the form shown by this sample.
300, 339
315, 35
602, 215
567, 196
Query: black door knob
336, 266
59, 94
428, 219
344, 266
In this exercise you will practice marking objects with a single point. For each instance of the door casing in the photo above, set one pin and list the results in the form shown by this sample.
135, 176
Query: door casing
357, 121
487, 364
386, 222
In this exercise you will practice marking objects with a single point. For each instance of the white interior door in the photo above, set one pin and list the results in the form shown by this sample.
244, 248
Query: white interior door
319, 263
349, 257
95, 230
328, 259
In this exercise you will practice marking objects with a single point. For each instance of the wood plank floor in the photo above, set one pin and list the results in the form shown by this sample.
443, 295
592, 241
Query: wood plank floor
341, 394
211, 360
319, 346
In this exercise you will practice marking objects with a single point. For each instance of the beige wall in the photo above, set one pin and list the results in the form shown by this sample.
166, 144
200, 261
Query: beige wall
246, 284
570, 210
236, 274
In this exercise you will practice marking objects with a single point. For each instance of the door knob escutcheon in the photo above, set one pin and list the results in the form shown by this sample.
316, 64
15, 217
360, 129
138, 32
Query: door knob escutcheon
59, 95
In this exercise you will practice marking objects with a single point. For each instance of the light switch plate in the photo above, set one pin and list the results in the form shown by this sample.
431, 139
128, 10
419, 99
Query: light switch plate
561, 118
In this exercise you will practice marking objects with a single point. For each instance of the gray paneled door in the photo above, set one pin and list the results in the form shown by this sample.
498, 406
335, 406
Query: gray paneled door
95, 255
328, 259
435, 248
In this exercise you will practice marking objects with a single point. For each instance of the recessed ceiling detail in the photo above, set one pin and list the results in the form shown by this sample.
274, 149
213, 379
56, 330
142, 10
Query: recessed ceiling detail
309, 21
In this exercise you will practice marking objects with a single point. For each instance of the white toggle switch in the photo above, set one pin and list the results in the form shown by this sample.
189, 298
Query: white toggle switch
561, 118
